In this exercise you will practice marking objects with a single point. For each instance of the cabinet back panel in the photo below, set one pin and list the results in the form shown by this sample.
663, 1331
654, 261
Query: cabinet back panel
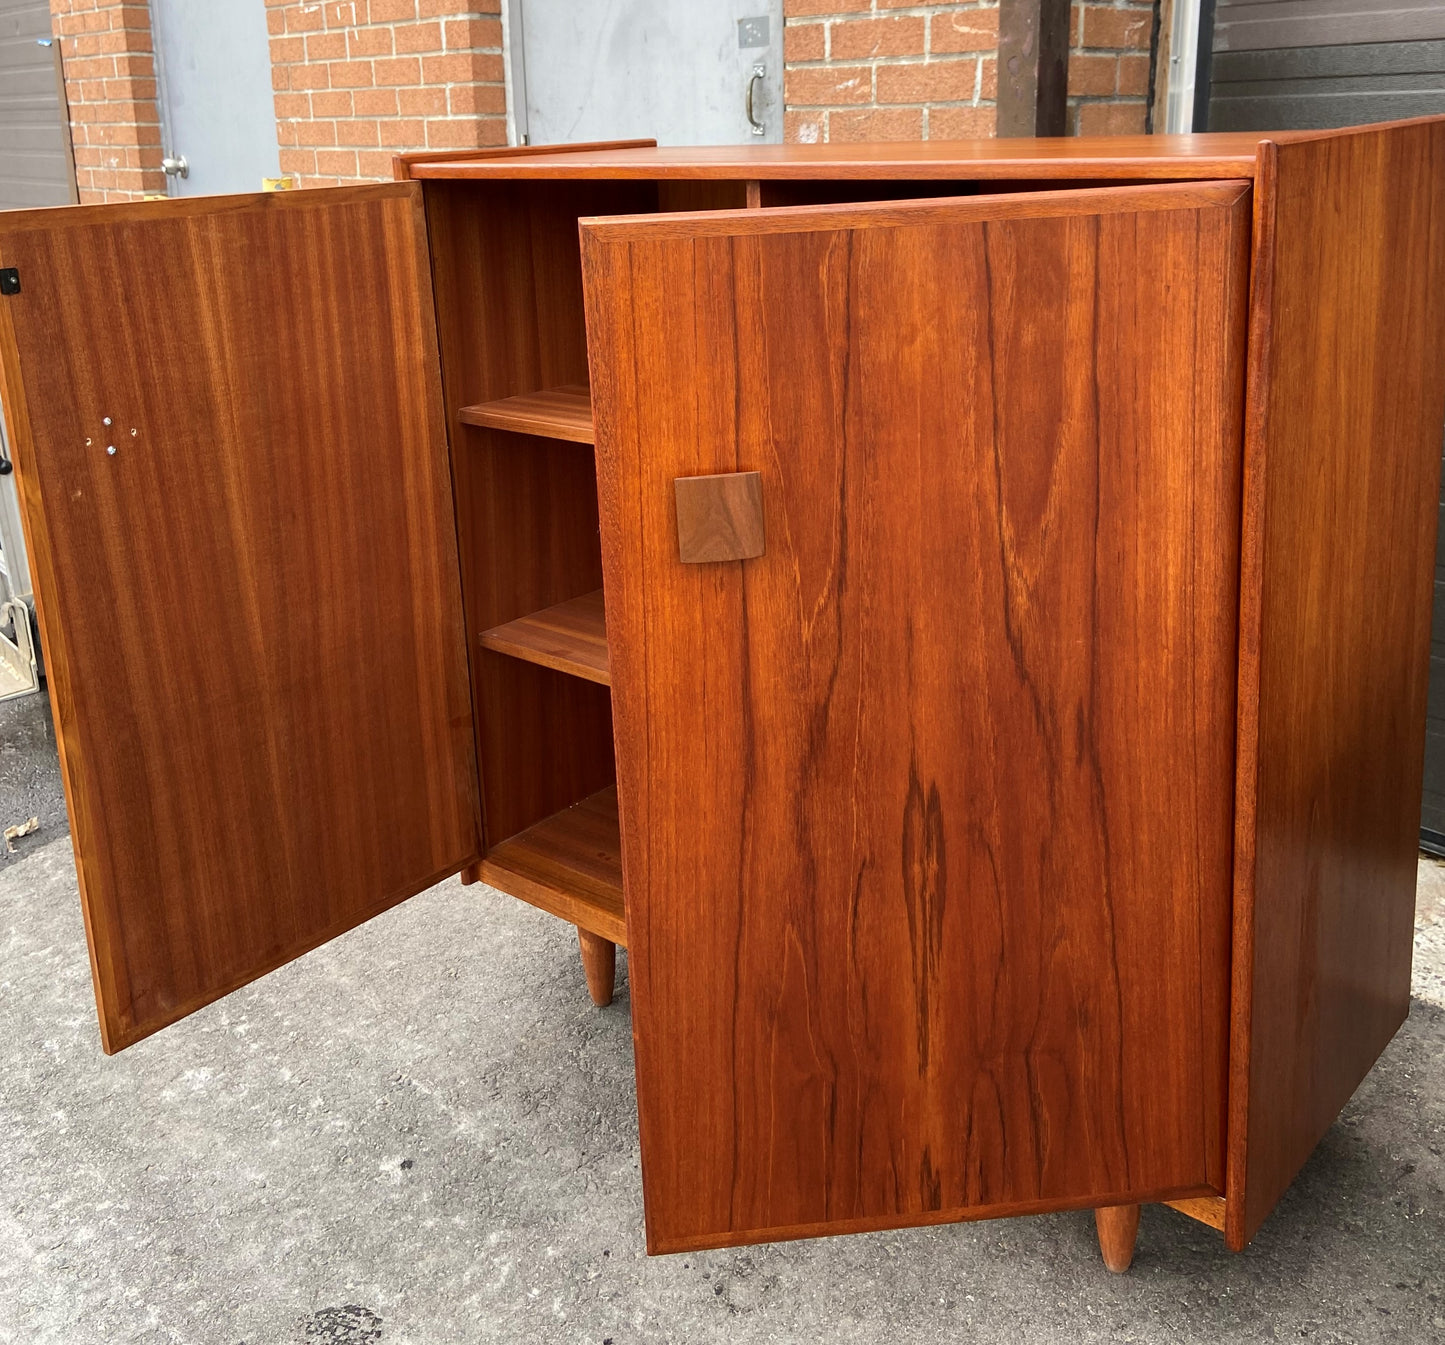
508, 282
545, 739
926, 812
702, 194
814, 191
251, 609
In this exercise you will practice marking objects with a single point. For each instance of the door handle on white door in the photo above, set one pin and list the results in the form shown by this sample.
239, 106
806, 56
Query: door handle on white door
758, 72
176, 167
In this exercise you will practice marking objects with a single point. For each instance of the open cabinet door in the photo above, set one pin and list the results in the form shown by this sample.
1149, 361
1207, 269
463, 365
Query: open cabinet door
232, 461
926, 796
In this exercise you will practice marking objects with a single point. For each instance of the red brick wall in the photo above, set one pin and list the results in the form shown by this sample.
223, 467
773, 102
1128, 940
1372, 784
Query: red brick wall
360, 80
110, 80
357, 81
872, 70
1109, 58
896, 70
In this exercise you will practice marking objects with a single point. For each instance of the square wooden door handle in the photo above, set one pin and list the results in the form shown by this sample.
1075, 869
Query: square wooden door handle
719, 517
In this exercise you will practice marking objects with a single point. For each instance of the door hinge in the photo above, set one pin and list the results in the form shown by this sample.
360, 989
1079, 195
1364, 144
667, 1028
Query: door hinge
9, 280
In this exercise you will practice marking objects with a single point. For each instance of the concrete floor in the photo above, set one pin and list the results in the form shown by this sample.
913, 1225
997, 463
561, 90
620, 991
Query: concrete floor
425, 1133
29, 775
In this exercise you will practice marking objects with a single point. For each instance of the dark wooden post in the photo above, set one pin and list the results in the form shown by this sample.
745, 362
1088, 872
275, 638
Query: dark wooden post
1033, 66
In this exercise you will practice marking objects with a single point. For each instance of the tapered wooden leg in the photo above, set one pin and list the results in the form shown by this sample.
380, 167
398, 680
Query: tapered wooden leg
599, 962
1118, 1226
471, 874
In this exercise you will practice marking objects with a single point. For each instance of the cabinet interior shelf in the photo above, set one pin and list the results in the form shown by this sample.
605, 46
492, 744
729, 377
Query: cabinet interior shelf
553, 413
569, 864
570, 637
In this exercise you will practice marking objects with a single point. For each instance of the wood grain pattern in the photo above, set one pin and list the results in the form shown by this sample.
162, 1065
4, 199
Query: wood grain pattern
1118, 1229
1347, 397
843, 191
702, 194
599, 965
553, 413
568, 864
570, 637
401, 164
1121, 200
719, 517
1145, 156
1205, 1209
508, 283
926, 813
266, 734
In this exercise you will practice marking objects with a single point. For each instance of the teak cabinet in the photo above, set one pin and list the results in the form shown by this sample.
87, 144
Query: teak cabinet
1000, 743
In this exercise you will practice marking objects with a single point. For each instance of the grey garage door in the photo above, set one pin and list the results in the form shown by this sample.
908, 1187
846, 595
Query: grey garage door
35, 166
1286, 64
1309, 64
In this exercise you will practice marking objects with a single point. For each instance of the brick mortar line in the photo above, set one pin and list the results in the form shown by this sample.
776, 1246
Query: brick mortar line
903, 12
406, 116
924, 11
926, 57
873, 62
888, 107
403, 56
830, 21
399, 88
934, 58
314, 65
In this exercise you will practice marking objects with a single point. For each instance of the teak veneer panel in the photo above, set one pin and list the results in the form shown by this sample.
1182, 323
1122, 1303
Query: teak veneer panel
570, 637
1230, 155
401, 163
1346, 401
705, 194
256, 755
553, 413
1205, 1209
810, 219
568, 864
926, 812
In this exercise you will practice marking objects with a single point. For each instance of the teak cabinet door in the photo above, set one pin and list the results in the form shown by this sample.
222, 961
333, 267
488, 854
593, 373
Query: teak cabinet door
232, 460
926, 809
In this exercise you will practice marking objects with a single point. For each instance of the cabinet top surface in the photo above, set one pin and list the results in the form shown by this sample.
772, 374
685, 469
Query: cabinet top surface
1228, 154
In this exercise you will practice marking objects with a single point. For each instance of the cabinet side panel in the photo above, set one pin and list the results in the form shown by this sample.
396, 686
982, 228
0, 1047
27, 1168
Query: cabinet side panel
1346, 405
926, 811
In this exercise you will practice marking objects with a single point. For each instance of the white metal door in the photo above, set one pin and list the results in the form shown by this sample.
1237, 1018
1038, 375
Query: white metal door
216, 101
683, 71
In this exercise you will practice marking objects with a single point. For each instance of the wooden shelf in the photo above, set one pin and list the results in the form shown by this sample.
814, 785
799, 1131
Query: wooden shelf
570, 637
569, 864
553, 413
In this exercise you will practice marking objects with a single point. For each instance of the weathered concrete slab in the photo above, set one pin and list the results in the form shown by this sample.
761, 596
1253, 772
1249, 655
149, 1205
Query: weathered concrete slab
425, 1133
